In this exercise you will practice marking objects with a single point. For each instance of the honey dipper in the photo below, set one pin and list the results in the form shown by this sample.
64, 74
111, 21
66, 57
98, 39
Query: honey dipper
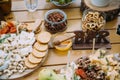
60, 41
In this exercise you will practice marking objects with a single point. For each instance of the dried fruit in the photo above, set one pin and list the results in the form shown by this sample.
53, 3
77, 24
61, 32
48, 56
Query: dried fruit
81, 73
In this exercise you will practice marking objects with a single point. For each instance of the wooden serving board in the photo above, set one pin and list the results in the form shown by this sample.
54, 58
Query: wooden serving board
27, 72
112, 10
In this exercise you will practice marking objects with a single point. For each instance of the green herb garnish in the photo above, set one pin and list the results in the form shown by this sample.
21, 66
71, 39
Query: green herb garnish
102, 55
77, 77
90, 67
3, 39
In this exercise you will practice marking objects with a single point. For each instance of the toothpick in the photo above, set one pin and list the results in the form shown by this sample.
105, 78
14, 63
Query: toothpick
93, 49
68, 59
18, 26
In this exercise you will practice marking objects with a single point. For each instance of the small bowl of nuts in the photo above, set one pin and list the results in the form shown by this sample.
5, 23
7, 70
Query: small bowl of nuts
93, 20
62, 3
55, 21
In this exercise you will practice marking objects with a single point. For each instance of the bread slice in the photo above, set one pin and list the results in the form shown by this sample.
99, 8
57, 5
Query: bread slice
30, 65
38, 54
40, 47
33, 59
44, 37
36, 27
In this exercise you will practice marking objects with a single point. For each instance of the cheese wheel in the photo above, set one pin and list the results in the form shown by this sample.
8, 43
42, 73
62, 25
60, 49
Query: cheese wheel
40, 47
44, 37
30, 65
33, 59
38, 54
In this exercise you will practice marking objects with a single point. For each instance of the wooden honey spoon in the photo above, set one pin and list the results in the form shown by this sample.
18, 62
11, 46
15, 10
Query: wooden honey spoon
65, 39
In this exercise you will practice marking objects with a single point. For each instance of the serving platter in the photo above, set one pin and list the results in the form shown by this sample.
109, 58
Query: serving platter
101, 62
102, 65
27, 72
21, 50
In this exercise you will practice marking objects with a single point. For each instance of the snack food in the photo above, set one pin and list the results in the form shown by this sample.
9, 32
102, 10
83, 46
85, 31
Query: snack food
62, 3
14, 49
16, 58
39, 51
86, 70
44, 37
92, 21
55, 21
98, 66
36, 27
38, 54
30, 65
40, 47
108, 64
7, 27
34, 59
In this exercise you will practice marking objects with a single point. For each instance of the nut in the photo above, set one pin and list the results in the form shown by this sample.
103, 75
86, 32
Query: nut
54, 26
14, 70
1, 73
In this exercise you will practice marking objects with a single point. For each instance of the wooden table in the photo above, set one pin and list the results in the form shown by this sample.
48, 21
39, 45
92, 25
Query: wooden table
56, 60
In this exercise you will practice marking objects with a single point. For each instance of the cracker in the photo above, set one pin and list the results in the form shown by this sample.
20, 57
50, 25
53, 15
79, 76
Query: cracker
38, 54
96, 15
30, 65
33, 59
44, 37
93, 21
40, 47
